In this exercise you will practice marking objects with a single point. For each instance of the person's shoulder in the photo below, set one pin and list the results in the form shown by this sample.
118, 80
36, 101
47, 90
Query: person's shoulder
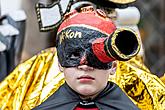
51, 102
117, 95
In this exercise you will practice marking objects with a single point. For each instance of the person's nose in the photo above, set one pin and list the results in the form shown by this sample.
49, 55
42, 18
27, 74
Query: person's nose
83, 64
85, 67
83, 60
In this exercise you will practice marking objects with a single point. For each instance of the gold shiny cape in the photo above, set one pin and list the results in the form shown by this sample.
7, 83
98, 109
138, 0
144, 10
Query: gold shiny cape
33, 81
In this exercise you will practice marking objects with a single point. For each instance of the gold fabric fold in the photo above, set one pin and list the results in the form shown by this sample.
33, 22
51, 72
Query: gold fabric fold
146, 90
163, 78
33, 81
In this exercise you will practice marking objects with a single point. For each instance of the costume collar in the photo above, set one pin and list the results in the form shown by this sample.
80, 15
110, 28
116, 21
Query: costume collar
66, 99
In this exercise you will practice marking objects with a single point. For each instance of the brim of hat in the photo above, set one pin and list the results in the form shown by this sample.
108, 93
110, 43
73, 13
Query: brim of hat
122, 1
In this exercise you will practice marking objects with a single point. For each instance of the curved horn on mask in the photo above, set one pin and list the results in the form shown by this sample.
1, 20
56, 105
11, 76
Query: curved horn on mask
122, 45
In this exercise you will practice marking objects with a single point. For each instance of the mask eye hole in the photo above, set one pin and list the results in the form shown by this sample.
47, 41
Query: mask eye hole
75, 55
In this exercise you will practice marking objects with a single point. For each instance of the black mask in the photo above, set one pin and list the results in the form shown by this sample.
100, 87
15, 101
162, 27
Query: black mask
74, 47
90, 38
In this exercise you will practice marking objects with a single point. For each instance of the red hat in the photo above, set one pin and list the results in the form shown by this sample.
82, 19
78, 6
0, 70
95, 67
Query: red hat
99, 20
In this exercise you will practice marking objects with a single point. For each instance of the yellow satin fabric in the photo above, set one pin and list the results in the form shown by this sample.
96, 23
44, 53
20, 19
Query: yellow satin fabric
163, 78
146, 90
33, 81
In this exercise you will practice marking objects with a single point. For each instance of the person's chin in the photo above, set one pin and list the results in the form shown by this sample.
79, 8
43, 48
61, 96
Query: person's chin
86, 90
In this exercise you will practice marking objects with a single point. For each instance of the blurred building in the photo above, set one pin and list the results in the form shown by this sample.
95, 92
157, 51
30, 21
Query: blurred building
152, 28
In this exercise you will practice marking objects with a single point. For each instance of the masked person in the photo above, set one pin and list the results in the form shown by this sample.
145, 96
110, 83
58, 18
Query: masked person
86, 72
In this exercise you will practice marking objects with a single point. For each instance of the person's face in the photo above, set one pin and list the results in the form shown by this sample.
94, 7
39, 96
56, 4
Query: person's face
86, 80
